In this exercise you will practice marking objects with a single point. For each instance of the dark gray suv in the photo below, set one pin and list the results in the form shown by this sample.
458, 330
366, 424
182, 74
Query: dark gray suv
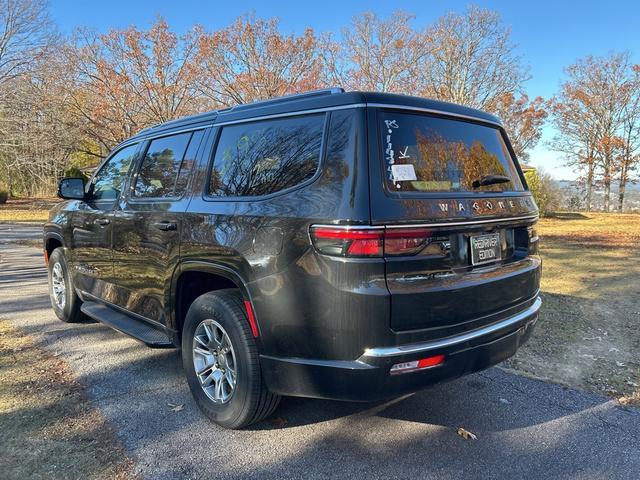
352, 246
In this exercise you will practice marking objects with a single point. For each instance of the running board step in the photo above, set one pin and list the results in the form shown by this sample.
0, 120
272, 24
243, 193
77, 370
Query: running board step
138, 329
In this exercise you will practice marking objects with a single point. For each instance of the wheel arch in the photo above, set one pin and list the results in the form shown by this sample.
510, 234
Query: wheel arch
193, 278
52, 240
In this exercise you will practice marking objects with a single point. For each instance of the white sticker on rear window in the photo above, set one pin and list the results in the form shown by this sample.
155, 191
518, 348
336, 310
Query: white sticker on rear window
403, 173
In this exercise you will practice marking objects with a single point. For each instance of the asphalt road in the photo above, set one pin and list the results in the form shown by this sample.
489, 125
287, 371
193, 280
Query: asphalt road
525, 428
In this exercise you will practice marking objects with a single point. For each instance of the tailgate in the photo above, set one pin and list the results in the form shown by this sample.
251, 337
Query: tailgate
457, 182
440, 288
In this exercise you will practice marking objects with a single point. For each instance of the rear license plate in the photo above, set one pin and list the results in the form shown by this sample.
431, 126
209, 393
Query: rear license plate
485, 248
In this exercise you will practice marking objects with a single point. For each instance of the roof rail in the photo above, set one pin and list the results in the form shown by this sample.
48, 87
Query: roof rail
292, 96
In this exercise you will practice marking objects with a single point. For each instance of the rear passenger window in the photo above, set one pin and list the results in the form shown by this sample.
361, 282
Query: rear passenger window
424, 153
264, 157
166, 166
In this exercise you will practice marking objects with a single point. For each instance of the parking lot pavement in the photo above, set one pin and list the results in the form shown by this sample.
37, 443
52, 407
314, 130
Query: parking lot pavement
525, 428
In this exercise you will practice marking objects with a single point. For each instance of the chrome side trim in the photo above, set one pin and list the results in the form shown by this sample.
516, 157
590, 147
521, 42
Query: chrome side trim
466, 222
383, 352
292, 114
434, 111
423, 225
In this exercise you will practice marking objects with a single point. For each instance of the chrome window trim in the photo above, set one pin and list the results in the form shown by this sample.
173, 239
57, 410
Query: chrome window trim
291, 114
169, 133
385, 352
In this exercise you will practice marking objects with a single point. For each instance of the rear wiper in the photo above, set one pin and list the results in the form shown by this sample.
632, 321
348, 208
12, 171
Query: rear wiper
490, 180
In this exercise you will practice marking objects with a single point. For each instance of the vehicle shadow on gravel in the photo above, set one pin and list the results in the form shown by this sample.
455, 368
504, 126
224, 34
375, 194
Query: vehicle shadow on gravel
143, 394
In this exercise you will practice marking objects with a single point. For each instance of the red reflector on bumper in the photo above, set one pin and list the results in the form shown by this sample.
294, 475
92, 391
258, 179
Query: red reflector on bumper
415, 365
252, 319
431, 361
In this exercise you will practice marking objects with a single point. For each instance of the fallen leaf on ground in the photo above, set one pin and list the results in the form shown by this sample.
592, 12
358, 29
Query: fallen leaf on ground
175, 407
466, 434
279, 422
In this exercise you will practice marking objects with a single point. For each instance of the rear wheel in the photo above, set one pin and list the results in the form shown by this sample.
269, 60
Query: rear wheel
64, 300
221, 361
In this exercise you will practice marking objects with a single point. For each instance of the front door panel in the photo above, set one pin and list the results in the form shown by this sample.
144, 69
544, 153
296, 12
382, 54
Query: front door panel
91, 241
91, 249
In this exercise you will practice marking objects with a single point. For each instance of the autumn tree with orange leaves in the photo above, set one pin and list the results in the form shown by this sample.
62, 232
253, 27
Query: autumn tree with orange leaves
129, 79
252, 60
597, 117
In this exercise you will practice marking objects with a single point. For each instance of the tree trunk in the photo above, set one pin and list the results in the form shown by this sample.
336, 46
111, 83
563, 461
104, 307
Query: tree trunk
607, 183
624, 174
589, 185
623, 186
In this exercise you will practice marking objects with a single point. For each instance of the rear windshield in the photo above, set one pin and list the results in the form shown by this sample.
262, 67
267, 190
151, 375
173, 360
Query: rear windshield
430, 154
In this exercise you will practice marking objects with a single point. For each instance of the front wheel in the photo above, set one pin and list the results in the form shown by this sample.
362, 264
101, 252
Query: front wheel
64, 299
221, 361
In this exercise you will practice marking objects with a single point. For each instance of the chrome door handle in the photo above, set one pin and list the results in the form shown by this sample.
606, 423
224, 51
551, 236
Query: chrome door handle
166, 226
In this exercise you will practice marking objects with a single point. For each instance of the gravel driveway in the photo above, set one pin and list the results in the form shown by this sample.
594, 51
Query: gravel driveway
525, 428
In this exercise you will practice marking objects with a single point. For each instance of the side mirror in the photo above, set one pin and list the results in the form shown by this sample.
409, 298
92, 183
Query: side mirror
71, 189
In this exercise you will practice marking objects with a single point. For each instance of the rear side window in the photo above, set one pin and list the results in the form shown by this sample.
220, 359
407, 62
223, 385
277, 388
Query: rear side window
264, 157
165, 168
430, 154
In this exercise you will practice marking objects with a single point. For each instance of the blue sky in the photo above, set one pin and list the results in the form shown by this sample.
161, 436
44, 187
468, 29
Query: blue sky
550, 34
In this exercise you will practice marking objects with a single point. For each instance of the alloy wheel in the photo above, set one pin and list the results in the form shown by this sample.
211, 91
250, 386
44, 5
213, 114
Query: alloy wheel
58, 286
214, 361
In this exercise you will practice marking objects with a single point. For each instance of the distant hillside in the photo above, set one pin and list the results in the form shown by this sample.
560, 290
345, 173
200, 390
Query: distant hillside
573, 193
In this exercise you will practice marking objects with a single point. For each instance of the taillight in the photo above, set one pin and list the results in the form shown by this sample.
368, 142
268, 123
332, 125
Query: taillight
348, 241
405, 241
368, 242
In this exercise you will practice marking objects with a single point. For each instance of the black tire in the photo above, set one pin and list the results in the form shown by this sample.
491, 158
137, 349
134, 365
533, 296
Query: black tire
69, 311
250, 401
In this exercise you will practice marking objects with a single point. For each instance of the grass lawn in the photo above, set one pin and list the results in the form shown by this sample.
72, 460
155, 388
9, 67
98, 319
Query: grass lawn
32, 210
589, 330
48, 428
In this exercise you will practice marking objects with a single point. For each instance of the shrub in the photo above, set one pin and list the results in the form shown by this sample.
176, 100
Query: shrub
545, 191
4, 196
74, 172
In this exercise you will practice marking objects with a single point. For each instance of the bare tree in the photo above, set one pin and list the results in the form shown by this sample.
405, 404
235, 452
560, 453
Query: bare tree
384, 55
473, 60
25, 34
37, 141
630, 135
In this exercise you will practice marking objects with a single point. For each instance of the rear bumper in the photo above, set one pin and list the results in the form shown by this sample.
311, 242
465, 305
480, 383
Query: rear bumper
368, 377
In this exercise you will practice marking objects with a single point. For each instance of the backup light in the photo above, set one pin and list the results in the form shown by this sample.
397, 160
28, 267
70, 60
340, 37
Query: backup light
416, 365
